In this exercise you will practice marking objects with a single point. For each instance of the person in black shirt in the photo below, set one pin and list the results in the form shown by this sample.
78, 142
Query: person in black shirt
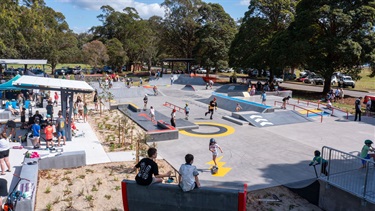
358, 111
148, 168
211, 107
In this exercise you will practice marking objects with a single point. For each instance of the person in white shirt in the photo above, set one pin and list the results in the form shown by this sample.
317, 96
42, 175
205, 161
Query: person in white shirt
188, 179
152, 113
4, 153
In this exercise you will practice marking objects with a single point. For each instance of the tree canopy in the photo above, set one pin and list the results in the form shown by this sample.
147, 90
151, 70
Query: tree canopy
335, 35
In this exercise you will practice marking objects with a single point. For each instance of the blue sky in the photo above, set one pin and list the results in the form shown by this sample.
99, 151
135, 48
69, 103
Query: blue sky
81, 14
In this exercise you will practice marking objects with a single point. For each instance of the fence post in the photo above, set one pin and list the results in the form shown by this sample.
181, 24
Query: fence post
366, 178
329, 164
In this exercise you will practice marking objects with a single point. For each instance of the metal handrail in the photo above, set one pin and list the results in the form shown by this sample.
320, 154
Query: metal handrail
345, 172
307, 113
178, 108
318, 106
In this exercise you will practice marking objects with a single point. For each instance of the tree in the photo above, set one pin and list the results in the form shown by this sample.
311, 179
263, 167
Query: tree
180, 26
252, 46
337, 35
127, 27
215, 36
95, 53
116, 53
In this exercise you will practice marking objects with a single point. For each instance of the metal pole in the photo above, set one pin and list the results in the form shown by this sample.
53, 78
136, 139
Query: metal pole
329, 164
366, 176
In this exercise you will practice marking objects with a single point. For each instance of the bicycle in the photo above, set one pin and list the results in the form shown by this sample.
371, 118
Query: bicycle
14, 196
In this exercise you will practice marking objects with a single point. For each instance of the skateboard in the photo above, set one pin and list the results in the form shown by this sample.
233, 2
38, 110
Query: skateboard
214, 169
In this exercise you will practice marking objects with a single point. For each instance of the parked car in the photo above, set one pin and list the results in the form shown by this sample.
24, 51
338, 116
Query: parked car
318, 80
201, 70
60, 71
302, 78
346, 81
77, 70
309, 79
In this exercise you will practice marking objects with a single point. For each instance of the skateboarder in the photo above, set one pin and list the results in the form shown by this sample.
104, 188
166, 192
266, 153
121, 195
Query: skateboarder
145, 100
364, 153
285, 101
213, 148
238, 107
263, 96
173, 118
319, 160
152, 113
187, 110
211, 107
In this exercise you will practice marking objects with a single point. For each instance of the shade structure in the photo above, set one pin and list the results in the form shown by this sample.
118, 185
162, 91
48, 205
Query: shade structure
32, 82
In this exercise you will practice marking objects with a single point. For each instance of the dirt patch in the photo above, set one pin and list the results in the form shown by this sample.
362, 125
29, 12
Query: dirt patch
263, 200
93, 187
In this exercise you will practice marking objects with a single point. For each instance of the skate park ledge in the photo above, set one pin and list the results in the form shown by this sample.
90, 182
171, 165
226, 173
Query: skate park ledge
31, 166
168, 197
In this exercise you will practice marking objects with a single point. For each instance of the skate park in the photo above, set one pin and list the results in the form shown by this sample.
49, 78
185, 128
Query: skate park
259, 155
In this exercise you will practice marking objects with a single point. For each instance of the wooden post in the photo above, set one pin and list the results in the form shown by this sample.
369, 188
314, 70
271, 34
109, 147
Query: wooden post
119, 131
100, 107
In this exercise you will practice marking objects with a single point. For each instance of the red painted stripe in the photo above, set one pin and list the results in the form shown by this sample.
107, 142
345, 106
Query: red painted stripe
242, 199
124, 196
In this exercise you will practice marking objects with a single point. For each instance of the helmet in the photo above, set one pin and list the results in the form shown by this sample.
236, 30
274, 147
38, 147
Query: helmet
212, 140
368, 142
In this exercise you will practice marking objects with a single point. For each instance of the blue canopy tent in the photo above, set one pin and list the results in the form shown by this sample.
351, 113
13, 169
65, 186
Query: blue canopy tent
9, 86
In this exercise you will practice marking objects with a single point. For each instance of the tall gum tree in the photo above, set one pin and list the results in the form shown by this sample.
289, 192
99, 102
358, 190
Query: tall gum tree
337, 35
215, 34
251, 47
180, 26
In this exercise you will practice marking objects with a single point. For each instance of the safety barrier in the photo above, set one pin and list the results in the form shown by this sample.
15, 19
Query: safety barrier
318, 106
307, 113
171, 197
345, 172
178, 108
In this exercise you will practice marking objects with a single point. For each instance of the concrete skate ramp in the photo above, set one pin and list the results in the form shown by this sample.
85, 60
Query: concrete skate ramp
273, 119
230, 103
232, 88
156, 131
131, 92
309, 192
186, 79
188, 87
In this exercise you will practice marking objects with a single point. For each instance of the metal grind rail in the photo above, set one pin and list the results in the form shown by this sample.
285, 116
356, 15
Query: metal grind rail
307, 110
318, 106
178, 108
346, 171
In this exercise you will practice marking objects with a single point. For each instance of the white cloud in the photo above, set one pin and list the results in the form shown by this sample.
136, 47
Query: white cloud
245, 2
144, 10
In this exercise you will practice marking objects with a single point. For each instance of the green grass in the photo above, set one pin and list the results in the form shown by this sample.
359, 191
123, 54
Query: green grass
365, 83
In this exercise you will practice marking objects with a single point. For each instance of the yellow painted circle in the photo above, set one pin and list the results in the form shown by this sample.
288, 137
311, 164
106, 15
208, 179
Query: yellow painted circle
229, 130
